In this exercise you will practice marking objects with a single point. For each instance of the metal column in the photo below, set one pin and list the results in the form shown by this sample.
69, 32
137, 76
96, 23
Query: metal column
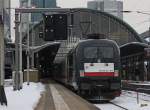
28, 54
2, 91
18, 77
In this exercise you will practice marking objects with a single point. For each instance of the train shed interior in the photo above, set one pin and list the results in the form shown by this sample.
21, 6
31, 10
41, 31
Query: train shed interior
134, 65
43, 58
80, 23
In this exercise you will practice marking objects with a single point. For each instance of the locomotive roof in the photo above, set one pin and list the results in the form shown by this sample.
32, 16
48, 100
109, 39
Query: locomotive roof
88, 41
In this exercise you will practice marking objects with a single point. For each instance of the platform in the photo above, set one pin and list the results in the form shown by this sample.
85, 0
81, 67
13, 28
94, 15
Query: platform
58, 97
143, 87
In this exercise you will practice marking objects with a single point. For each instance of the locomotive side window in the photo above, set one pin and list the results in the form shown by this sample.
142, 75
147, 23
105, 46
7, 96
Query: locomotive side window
90, 52
106, 52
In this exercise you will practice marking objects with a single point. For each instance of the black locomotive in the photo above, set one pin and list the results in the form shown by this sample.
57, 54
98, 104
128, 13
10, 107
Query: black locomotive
92, 67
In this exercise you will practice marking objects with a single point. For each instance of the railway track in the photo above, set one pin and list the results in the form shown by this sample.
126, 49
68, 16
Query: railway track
126, 93
143, 88
125, 101
123, 108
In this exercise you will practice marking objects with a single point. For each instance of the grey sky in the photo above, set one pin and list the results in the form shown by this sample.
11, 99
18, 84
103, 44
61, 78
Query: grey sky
139, 22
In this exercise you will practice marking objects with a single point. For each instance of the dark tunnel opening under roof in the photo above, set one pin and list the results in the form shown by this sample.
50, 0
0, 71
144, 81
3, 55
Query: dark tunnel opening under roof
48, 52
46, 55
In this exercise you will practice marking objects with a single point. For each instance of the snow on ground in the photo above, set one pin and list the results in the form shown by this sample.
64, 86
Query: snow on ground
25, 99
128, 100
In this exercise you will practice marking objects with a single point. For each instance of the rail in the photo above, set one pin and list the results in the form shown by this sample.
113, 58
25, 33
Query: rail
119, 106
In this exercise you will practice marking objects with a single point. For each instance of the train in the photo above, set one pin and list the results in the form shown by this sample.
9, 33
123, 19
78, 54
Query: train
92, 69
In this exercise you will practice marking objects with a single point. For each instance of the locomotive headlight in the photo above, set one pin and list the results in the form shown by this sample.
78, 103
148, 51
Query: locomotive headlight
92, 64
116, 73
106, 64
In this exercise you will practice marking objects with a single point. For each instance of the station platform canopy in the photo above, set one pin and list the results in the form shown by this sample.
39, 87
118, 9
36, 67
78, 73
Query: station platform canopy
132, 48
36, 49
47, 52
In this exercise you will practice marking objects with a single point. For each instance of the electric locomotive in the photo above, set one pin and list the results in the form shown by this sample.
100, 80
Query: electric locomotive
92, 69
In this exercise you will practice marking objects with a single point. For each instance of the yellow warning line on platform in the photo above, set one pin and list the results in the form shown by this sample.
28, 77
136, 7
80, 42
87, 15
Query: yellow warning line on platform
58, 100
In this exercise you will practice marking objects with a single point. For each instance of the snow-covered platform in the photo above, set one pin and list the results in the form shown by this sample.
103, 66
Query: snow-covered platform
24, 99
44, 96
58, 97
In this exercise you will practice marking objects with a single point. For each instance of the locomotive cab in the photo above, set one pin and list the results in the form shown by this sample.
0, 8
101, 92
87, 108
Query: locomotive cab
98, 65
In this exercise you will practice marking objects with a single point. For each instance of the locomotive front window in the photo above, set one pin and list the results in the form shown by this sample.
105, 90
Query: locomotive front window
106, 52
90, 52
